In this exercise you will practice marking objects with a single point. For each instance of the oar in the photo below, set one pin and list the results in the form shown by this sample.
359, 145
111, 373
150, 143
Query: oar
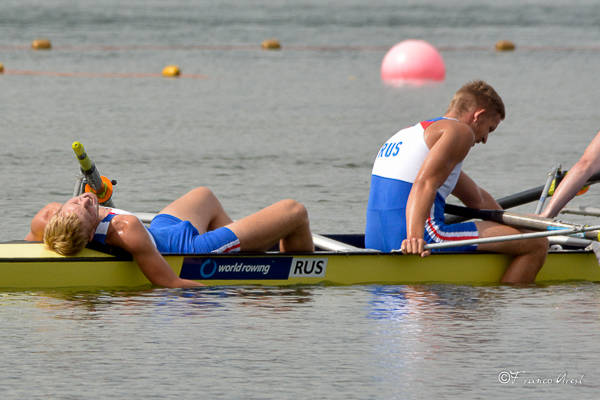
586, 211
506, 238
516, 220
100, 185
520, 198
571, 241
527, 196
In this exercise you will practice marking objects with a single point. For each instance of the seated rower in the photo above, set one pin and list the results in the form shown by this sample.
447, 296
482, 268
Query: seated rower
420, 166
194, 223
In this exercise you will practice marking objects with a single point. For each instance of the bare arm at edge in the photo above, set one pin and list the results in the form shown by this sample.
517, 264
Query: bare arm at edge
129, 234
577, 176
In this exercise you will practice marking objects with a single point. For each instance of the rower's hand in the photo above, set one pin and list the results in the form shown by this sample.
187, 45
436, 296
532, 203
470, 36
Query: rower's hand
414, 246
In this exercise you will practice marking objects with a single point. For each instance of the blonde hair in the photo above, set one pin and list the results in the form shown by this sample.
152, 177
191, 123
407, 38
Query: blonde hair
64, 234
477, 93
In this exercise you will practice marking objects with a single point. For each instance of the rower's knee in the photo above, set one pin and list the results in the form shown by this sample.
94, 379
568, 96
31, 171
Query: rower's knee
296, 209
540, 245
201, 192
538, 248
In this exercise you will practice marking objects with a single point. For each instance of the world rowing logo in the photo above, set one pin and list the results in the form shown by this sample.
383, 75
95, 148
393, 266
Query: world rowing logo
208, 269
234, 268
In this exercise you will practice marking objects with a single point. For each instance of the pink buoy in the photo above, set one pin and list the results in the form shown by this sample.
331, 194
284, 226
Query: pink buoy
412, 61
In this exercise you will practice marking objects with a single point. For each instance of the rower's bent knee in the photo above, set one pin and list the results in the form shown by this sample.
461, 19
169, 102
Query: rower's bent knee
538, 247
540, 244
201, 191
296, 209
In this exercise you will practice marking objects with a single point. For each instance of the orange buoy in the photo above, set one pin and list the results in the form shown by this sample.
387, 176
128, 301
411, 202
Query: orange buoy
271, 44
1, 68
171, 71
41, 44
412, 61
505, 45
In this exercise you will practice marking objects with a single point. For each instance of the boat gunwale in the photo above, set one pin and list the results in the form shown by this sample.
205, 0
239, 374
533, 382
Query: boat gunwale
123, 256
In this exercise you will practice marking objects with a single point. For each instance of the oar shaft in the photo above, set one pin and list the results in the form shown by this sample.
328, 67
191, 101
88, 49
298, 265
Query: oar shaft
506, 238
329, 244
518, 199
586, 211
516, 220
527, 196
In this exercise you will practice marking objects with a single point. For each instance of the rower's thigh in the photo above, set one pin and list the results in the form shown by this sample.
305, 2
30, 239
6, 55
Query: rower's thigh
264, 228
513, 247
198, 206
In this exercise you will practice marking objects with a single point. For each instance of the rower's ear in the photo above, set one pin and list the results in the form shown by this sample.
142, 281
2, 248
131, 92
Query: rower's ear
478, 114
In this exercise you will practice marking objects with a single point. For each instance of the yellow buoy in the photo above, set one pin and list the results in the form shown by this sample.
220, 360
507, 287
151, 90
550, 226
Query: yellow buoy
171, 71
41, 44
271, 44
505, 45
1, 68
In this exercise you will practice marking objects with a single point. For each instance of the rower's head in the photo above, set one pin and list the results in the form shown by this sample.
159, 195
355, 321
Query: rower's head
73, 225
478, 105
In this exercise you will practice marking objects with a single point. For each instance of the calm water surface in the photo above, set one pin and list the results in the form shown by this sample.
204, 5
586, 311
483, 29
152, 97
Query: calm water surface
304, 122
310, 342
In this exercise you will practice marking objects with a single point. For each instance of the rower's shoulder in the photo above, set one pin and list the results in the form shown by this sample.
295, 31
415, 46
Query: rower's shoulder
126, 222
453, 131
453, 127
126, 231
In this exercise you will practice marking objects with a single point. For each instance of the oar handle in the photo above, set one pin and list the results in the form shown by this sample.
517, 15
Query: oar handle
88, 168
84, 161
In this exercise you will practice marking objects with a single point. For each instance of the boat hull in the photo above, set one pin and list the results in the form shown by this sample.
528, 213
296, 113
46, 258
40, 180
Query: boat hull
30, 265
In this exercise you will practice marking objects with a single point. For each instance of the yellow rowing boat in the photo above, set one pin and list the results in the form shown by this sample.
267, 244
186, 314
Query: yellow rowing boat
31, 265
342, 259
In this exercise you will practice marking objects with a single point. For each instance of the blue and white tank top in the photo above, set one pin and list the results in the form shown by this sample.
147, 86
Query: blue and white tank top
102, 228
401, 158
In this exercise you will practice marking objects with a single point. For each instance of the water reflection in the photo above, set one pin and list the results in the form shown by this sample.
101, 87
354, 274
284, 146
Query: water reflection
429, 301
77, 304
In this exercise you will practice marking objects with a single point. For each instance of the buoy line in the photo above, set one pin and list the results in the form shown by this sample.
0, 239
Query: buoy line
98, 74
325, 48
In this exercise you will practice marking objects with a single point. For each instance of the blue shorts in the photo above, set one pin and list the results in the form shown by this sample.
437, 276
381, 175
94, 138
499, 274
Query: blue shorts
439, 232
172, 235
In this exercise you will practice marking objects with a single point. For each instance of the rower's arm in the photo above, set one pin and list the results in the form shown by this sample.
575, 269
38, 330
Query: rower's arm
472, 195
450, 149
129, 234
578, 175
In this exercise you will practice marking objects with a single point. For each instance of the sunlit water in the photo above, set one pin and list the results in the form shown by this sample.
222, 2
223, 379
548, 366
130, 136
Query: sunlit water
304, 122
